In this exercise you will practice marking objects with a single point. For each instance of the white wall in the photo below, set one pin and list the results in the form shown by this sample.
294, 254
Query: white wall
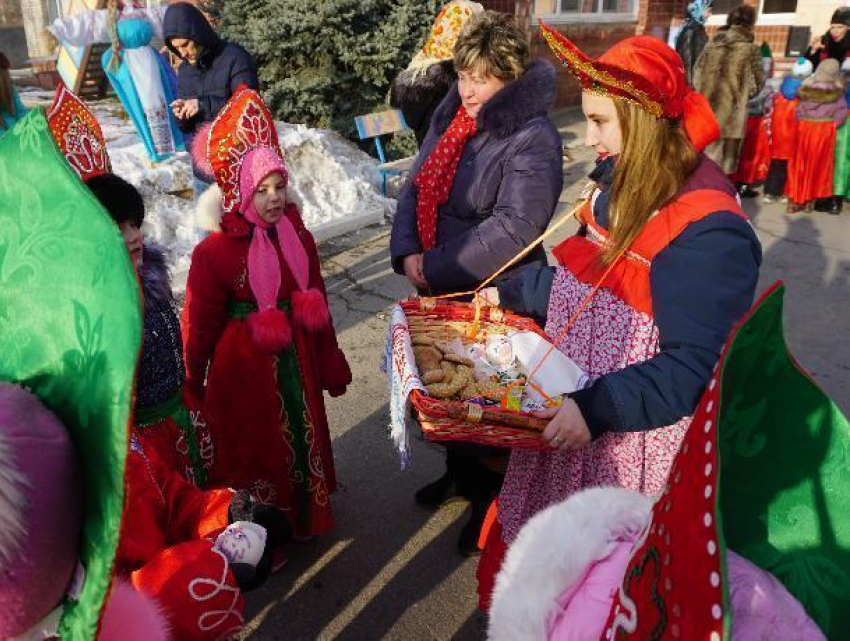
816, 13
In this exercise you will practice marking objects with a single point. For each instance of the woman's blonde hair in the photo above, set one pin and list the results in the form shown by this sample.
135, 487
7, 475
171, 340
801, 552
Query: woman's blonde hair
655, 160
492, 43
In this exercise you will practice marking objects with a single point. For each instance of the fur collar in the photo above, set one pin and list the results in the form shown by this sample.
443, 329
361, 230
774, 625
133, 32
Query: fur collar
821, 92
208, 209
13, 498
156, 281
414, 86
209, 215
552, 552
528, 97
734, 35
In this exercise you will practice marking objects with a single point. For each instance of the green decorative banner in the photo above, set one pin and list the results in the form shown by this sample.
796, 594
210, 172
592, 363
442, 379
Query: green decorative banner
70, 330
785, 470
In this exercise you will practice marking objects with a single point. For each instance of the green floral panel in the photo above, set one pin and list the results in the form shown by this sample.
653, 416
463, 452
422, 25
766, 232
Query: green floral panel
785, 471
70, 330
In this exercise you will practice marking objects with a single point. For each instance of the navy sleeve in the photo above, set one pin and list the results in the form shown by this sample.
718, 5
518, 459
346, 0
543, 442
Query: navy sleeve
404, 238
532, 180
702, 284
527, 292
241, 71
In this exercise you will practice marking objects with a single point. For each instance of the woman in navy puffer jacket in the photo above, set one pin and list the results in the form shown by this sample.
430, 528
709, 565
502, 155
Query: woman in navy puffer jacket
212, 70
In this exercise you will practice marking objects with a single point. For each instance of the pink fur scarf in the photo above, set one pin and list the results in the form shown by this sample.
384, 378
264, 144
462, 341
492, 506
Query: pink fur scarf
269, 326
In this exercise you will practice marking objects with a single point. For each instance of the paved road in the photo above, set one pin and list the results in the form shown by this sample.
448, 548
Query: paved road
390, 569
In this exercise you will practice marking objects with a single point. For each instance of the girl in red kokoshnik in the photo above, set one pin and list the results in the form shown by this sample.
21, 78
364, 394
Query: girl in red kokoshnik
260, 343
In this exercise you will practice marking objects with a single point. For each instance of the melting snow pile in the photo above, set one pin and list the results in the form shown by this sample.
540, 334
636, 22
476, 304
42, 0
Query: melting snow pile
335, 184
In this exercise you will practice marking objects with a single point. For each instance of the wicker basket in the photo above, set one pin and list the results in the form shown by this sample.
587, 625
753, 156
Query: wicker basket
443, 420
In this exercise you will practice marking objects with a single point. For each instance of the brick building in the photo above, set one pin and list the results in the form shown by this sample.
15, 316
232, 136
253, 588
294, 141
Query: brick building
13, 40
595, 25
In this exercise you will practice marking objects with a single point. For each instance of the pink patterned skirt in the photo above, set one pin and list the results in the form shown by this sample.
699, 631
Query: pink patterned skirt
607, 337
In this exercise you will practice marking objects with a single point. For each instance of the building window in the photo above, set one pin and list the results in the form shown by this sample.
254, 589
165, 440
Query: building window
566, 11
770, 12
597, 6
778, 6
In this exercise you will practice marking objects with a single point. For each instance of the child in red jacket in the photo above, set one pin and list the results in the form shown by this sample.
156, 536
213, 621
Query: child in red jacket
260, 344
783, 129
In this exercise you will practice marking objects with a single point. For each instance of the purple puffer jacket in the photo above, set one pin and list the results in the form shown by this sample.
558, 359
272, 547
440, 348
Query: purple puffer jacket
822, 101
505, 190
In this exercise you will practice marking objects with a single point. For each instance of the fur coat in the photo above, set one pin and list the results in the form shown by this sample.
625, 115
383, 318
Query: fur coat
418, 93
728, 73
689, 45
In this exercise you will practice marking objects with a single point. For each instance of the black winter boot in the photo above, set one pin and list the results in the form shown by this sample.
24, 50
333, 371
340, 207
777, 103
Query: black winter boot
444, 489
481, 486
467, 543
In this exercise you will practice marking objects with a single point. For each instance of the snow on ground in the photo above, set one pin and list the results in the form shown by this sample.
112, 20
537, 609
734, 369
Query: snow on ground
335, 184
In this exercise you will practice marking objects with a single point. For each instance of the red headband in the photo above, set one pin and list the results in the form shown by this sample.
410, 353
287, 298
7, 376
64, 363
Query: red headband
645, 72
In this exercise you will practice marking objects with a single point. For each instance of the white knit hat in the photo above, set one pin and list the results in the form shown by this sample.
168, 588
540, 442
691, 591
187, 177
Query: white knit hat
803, 68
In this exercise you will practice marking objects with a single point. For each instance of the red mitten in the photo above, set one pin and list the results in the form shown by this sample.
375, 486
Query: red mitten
336, 374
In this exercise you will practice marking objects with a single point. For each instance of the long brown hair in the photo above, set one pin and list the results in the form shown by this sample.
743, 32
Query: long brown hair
655, 160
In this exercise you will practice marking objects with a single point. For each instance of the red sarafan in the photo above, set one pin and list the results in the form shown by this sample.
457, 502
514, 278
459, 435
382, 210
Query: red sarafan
260, 343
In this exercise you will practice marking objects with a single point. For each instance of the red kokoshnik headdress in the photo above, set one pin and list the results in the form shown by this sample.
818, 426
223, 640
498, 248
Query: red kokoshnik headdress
645, 72
77, 134
243, 125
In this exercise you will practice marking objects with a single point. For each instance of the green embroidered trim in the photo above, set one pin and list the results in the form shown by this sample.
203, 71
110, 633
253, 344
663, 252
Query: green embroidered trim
241, 309
175, 409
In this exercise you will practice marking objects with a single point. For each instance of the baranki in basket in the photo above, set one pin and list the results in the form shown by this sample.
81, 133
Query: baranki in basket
467, 371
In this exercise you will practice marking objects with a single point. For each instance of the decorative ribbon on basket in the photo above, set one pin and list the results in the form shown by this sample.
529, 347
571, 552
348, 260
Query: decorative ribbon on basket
477, 299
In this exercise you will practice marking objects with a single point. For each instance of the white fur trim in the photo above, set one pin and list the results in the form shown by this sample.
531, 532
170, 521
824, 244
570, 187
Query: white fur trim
12, 502
208, 210
552, 552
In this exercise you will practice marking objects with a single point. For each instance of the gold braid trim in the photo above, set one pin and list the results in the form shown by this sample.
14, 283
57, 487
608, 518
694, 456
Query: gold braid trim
601, 80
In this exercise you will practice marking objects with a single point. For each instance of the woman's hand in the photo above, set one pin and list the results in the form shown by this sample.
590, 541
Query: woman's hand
190, 108
413, 271
489, 297
177, 107
816, 44
185, 109
567, 429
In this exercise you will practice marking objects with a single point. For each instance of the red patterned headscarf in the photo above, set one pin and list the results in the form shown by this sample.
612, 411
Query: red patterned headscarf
646, 72
437, 175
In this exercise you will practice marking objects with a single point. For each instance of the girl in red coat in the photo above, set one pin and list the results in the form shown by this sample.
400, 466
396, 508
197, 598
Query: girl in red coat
260, 344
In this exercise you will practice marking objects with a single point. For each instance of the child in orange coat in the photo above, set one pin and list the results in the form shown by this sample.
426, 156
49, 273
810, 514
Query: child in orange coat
783, 129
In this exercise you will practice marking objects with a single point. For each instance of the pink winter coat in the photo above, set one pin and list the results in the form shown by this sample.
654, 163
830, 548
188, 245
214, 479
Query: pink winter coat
762, 609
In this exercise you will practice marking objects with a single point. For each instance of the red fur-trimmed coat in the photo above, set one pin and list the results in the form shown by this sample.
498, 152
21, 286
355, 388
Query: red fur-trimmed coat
253, 432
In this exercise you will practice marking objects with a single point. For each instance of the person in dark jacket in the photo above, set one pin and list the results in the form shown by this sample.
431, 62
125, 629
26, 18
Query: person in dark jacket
692, 38
507, 180
835, 43
419, 89
484, 186
212, 70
